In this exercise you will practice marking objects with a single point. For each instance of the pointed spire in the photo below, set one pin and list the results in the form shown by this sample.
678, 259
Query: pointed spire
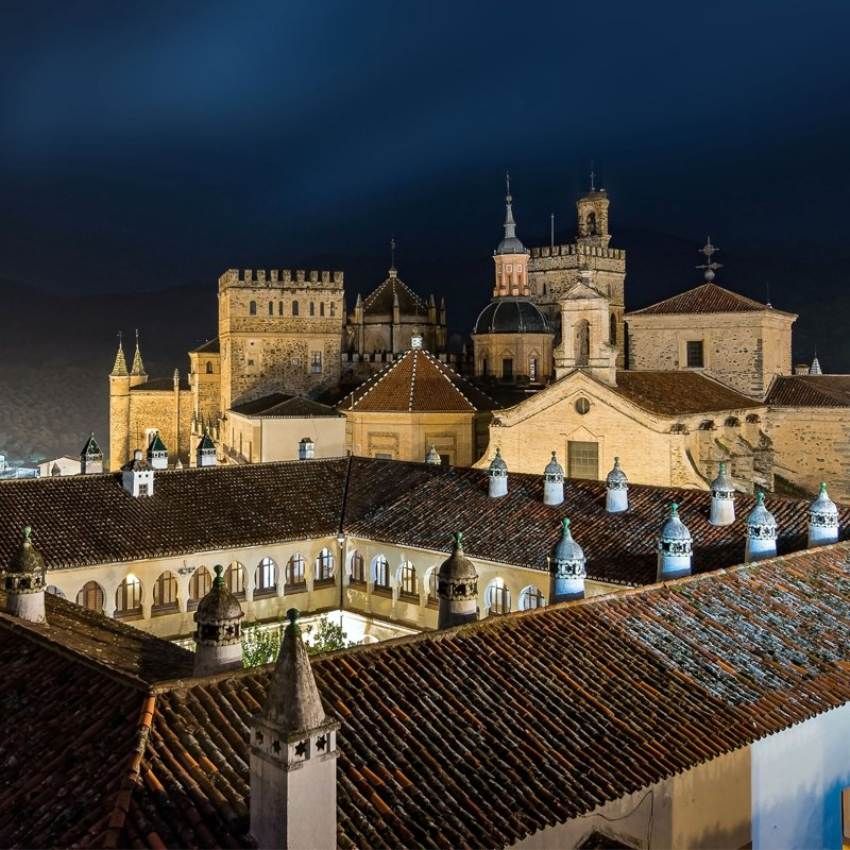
393, 270
510, 224
120, 366
138, 365
815, 367
23, 582
293, 704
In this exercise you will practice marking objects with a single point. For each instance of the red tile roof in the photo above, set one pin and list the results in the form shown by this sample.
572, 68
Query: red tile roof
80, 520
679, 393
706, 298
474, 737
810, 391
417, 383
281, 404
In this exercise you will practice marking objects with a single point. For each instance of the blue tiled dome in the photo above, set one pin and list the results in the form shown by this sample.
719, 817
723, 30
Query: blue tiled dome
511, 315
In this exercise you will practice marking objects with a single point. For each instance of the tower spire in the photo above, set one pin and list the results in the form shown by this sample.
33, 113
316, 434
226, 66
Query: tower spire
392, 255
709, 266
138, 365
120, 366
510, 224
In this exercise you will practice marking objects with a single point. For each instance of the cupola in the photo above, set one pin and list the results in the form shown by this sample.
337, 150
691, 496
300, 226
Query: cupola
675, 547
823, 519
616, 489
23, 582
137, 476
218, 638
157, 452
567, 567
498, 475
293, 752
206, 451
553, 482
761, 532
457, 588
722, 498
433, 456
306, 449
91, 457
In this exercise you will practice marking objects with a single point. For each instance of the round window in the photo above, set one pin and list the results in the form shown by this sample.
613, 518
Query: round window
582, 406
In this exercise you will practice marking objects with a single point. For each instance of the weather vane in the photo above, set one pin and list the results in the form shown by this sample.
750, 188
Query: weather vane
709, 266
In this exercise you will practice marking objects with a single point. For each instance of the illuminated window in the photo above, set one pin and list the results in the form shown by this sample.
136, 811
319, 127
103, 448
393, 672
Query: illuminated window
530, 597
234, 579
165, 593
498, 598
532, 368
199, 586
381, 572
324, 566
294, 573
128, 598
358, 569
91, 597
266, 578
407, 584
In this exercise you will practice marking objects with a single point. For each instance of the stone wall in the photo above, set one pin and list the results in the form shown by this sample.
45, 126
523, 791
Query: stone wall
812, 444
744, 350
166, 411
520, 348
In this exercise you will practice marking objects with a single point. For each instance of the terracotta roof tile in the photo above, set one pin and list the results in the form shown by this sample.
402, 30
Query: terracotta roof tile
380, 300
810, 391
706, 298
417, 382
679, 393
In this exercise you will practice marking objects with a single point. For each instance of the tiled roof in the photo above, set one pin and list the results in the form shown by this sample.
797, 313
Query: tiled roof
90, 519
417, 382
706, 298
810, 391
280, 404
211, 346
679, 393
380, 300
161, 384
422, 504
473, 737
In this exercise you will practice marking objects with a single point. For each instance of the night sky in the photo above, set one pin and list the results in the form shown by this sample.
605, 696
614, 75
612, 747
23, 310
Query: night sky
153, 144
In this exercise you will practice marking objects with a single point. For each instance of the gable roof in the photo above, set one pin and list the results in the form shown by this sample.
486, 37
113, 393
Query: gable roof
281, 404
809, 391
706, 298
476, 736
82, 520
211, 346
381, 300
417, 383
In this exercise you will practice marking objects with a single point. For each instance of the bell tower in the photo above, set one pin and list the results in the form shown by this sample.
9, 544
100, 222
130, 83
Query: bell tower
592, 211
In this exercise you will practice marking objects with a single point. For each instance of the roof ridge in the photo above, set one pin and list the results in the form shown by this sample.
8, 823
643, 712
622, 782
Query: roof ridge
703, 286
448, 377
372, 382
130, 781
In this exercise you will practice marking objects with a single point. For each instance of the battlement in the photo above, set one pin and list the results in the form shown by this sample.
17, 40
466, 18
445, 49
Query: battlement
576, 248
299, 279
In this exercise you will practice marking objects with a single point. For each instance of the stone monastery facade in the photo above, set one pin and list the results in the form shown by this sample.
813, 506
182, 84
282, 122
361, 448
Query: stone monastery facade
556, 363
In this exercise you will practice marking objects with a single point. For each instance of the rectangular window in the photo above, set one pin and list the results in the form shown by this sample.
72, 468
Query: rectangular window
271, 308
321, 308
294, 308
532, 368
582, 460
312, 309
694, 352
316, 362
280, 308
507, 368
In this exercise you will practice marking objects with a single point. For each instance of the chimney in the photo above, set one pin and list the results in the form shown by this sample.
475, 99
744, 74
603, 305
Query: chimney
823, 519
675, 546
23, 582
157, 452
616, 490
306, 449
457, 588
206, 451
553, 482
218, 638
722, 499
567, 568
293, 756
137, 476
761, 532
91, 457
498, 472
433, 456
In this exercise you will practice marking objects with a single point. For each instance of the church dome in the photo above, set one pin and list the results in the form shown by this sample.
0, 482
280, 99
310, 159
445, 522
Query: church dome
511, 315
511, 245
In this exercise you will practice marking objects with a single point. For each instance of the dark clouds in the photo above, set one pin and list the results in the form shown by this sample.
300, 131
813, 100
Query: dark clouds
148, 144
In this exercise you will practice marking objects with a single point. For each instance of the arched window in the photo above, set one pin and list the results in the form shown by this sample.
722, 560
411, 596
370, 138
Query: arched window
234, 579
199, 586
432, 582
325, 566
91, 597
54, 591
498, 597
252, 308
164, 593
591, 224
294, 308
358, 569
407, 581
294, 574
582, 343
265, 581
209, 368
612, 329
380, 573
530, 597
128, 598
312, 309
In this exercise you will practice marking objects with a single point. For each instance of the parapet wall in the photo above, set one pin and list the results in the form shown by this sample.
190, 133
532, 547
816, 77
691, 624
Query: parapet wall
573, 248
299, 279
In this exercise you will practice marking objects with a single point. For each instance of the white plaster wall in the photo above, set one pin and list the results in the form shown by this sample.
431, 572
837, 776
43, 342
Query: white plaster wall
798, 776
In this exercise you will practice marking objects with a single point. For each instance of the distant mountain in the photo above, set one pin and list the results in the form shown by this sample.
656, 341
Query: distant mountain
56, 349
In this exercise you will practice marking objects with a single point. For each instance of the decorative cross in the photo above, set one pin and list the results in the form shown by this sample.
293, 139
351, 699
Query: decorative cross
592, 177
392, 252
709, 266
